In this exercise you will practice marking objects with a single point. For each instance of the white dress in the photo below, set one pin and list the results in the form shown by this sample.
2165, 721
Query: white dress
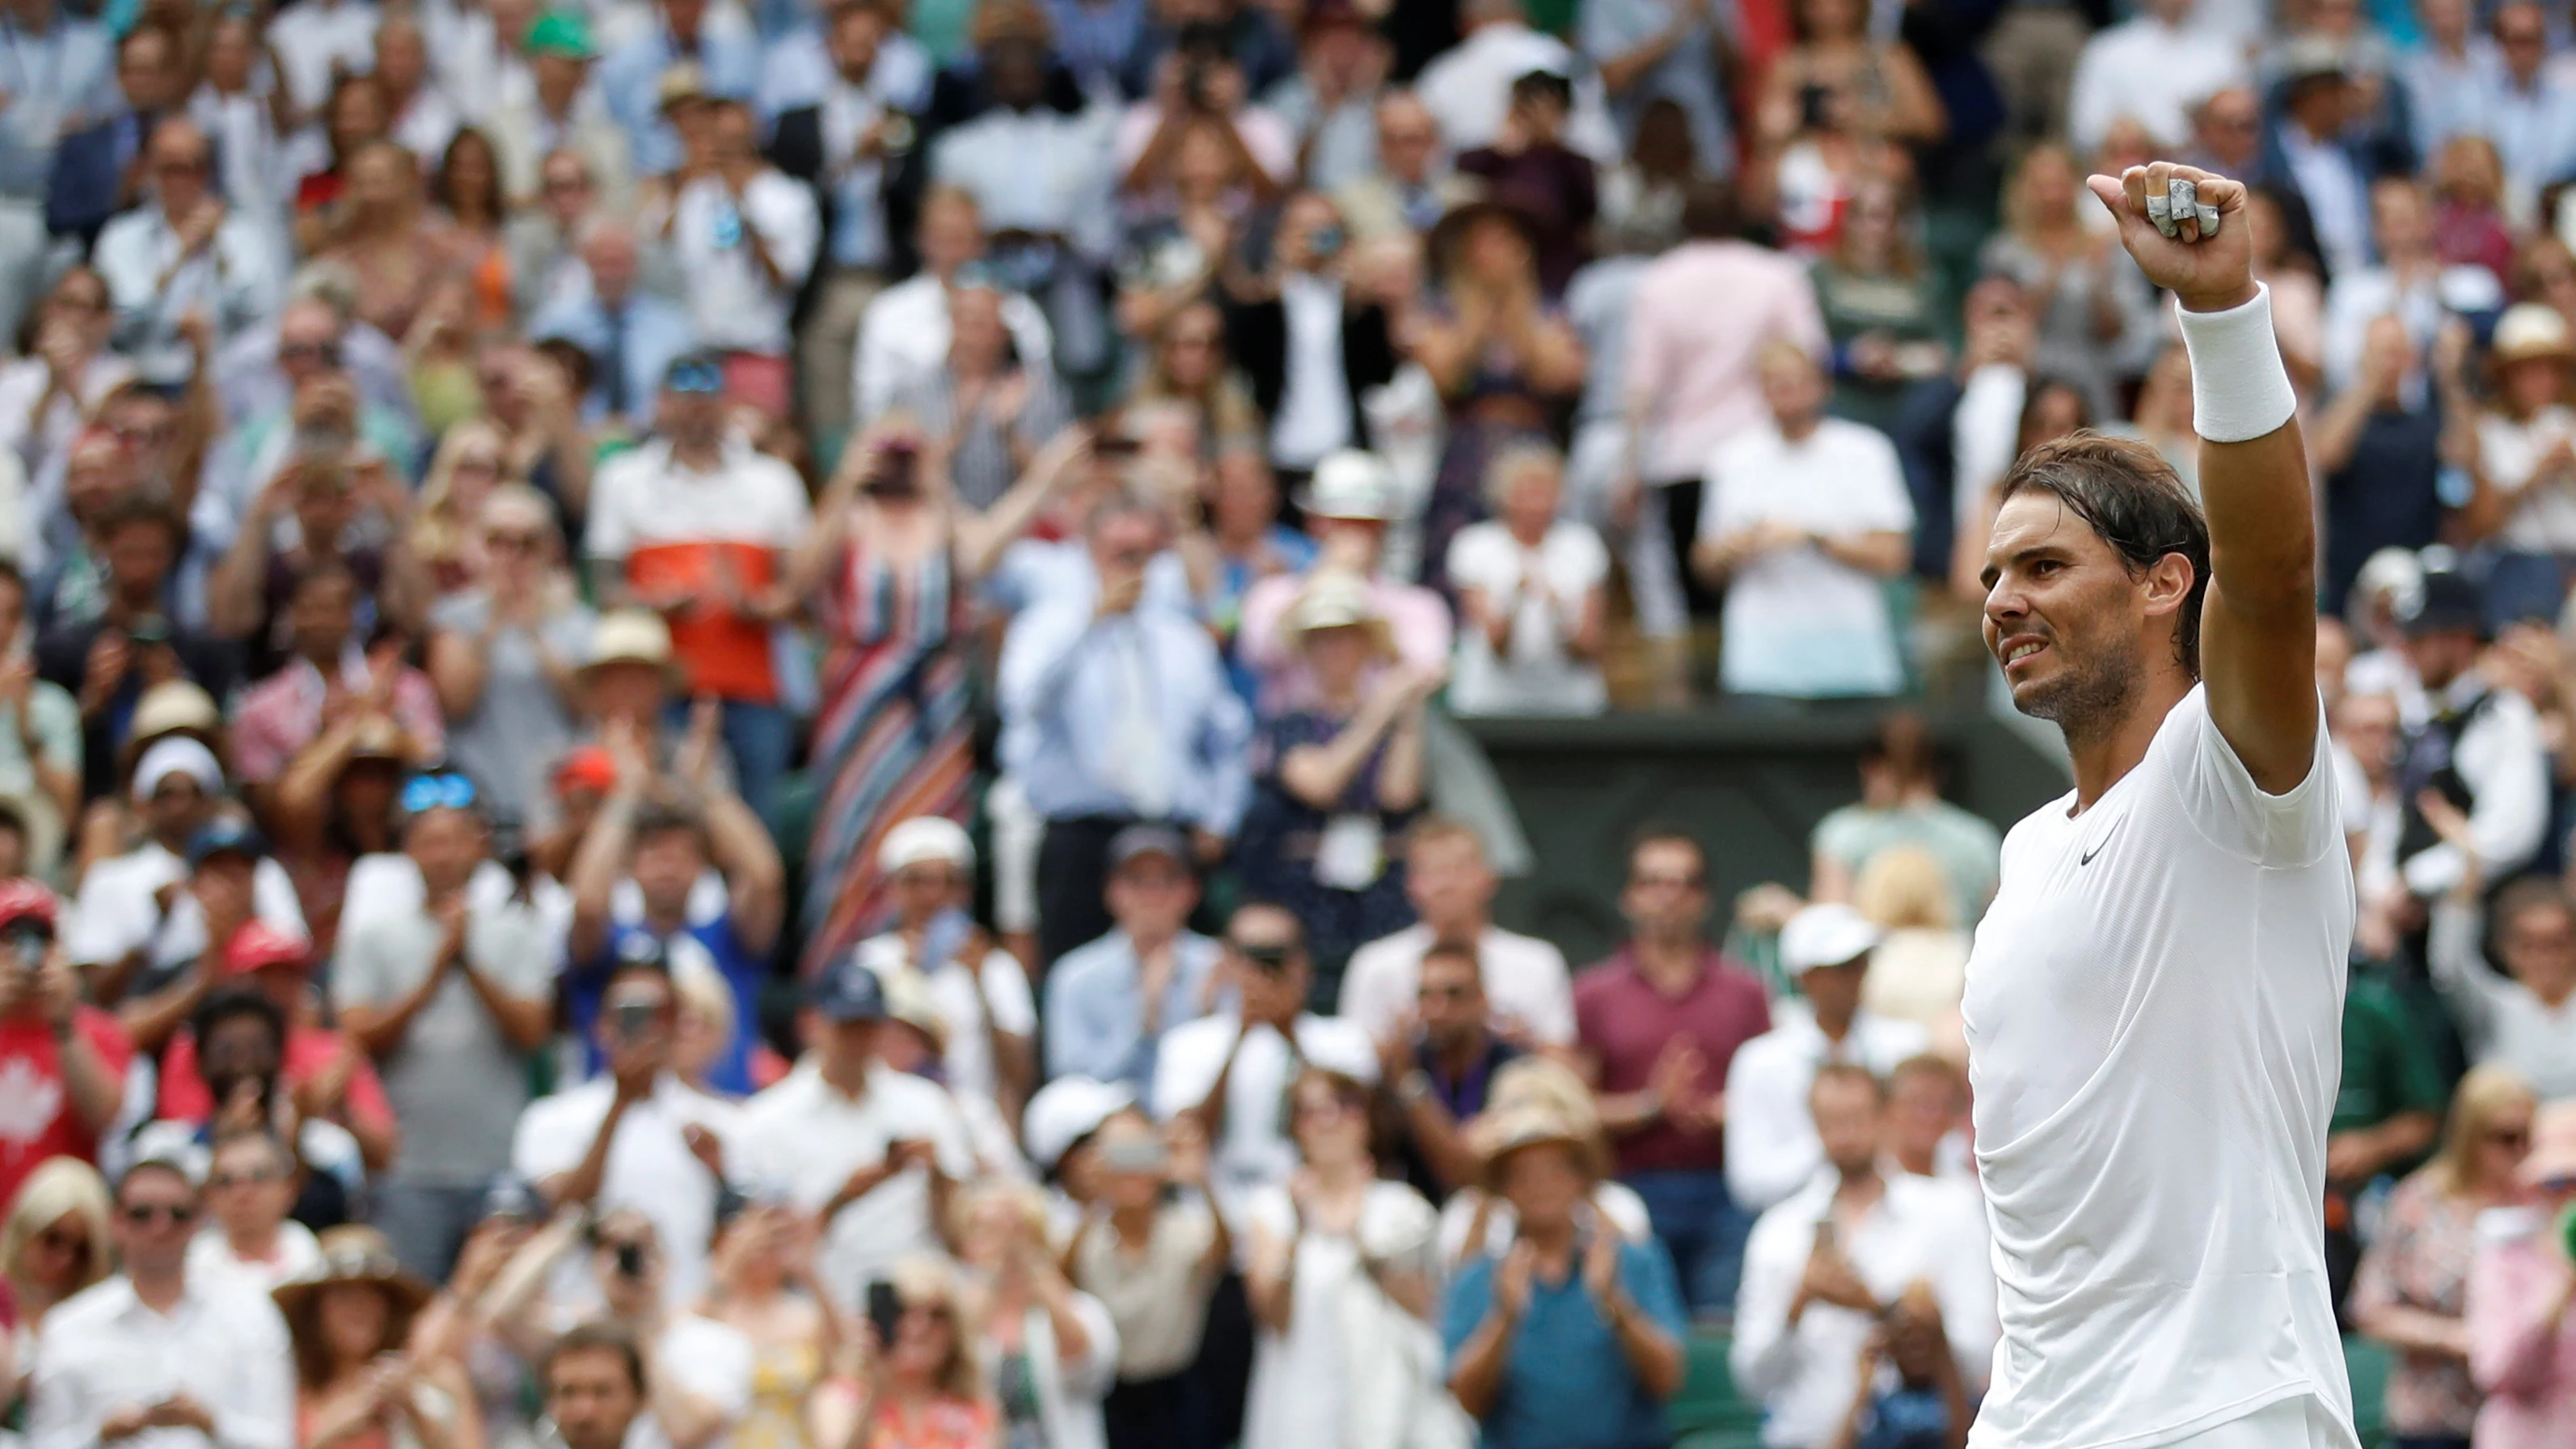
1303, 1386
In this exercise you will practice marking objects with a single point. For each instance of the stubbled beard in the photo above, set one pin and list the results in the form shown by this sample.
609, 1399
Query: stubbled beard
2086, 699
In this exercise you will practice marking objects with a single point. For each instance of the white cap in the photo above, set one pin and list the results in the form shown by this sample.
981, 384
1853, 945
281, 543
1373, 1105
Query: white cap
1065, 1111
1825, 935
1348, 1054
1349, 483
177, 755
925, 838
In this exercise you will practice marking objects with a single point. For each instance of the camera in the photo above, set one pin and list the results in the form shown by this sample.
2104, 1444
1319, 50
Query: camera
1269, 956
895, 472
630, 1020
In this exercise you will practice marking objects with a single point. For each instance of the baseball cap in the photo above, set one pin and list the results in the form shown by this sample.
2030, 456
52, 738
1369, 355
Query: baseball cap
177, 755
1831, 934
848, 992
1064, 1112
1138, 840
260, 944
923, 839
2446, 601
23, 899
589, 767
1352, 484
561, 33
225, 834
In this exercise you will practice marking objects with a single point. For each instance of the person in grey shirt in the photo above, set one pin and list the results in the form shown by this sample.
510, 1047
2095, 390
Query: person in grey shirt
448, 999
503, 654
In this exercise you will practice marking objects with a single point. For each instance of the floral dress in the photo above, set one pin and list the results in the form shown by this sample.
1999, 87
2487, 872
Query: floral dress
2420, 1260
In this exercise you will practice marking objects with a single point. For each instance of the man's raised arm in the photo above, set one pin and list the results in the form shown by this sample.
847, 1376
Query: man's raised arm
2258, 633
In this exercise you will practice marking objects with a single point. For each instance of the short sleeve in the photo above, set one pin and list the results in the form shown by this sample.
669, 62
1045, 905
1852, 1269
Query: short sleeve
1582, 561
2233, 812
545, 1142
1006, 994
1879, 502
358, 974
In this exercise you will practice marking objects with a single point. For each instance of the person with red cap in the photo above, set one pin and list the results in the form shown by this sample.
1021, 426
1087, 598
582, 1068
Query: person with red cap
328, 1071
62, 1062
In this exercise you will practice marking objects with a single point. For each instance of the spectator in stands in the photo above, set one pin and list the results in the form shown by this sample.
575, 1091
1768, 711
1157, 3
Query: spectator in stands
1658, 1025
1920, 970
68, 1058
1927, 1117
979, 991
931, 1389
1441, 1065
1350, 509
2520, 1341
333, 682
2412, 1289
1803, 518
1900, 805
712, 50
2522, 104
1452, 886
185, 252
594, 1387
559, 130
904, 329
350, 1324
2383, 443
2151, 69
2486, 736
1771, 1146
1575, 1335
1310, 346
1029, 1312
744, 237
1839, 1256
1232, 1069
1411, 187
1117, 710
1152, 1255
2093, 305
631, 335
872, 1153
1336, 781
40, 736
699, 528
1533, 591
664, 846
2314, 155
227, 880
2408, 282
2525, 1018
449, 1000
250, 1188
988, 412
1692, 367
198, 1360
1110, 1002
54, 1244
503, 652
2525, 461
634, 1137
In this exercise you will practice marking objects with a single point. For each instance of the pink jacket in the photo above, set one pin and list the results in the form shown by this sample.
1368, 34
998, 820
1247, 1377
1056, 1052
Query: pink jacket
1698, 320
2524, 1359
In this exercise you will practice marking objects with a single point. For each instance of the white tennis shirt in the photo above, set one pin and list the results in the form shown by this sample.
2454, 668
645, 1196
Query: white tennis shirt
2153, 1015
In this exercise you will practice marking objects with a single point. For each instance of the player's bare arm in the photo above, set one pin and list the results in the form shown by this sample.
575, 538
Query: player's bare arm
2258, 629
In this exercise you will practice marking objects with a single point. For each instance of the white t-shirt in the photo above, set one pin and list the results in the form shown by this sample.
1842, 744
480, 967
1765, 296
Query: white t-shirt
1534, 676
1254, 1149
297, 1253
1799, 623
2543, 520
803, 1139
1525, 979
734, 304
118, 911
650, 1167
646, 497
961, 1005
2154, 1016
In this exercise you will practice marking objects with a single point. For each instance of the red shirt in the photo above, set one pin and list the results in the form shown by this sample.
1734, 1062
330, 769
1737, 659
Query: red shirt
1624, 1022
36, 1117
309, 1049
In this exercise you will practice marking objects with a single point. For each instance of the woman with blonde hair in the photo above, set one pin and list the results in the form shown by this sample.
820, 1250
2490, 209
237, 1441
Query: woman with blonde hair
503, 653
2091, 301
1050, 1349
1189, 364
922, 1388
2411, 1290
760, 1281
54, 1241
1921, 965
471, 463
358, 1384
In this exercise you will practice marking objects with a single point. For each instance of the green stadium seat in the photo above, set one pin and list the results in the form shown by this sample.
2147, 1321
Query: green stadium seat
2367, 1364
1708, 1402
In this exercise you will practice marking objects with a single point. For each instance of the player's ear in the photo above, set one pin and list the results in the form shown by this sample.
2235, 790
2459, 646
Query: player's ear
2166, 585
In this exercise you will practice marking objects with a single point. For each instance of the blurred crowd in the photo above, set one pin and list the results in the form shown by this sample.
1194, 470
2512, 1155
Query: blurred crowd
735, 724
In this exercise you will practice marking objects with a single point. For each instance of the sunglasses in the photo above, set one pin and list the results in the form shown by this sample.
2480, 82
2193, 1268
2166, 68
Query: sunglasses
245, 1179
323, 352
695, 377
437, 792
151, 1214
513, 539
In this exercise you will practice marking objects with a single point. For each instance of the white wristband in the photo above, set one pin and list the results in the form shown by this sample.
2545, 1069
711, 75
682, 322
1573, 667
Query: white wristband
2239, 389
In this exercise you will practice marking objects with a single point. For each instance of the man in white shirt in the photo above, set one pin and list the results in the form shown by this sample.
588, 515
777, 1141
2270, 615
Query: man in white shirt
698, 1372
2153, 69
1831, 1264
1234, 1070
314, 39
904, 331
2481, 751
745, 236
635, 1136
2154, 1000
1468, 88
1771, 1146
155, 1358
1451, 886
1802, 519
986, 1010
183, 251
870, 1151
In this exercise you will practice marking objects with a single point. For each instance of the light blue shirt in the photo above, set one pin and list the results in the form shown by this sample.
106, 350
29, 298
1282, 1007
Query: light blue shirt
60, 80
2444, 93
631, 79
234, 279
657, 330
1071, 732
2534, 130
796, 71
1095, 1008
1609, 29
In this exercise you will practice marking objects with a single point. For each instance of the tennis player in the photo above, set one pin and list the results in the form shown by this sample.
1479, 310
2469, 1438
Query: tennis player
2153, 1003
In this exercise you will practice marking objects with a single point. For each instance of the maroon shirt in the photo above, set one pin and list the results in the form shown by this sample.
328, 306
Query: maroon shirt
1624, 1022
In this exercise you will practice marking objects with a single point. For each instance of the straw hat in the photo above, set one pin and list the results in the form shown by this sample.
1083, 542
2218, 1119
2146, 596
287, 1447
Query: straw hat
632, 636
2531, 331
1337, 599
354, 1254
1496, 1135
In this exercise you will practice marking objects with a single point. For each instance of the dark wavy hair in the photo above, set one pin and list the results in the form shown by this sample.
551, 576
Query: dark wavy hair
2132, 500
